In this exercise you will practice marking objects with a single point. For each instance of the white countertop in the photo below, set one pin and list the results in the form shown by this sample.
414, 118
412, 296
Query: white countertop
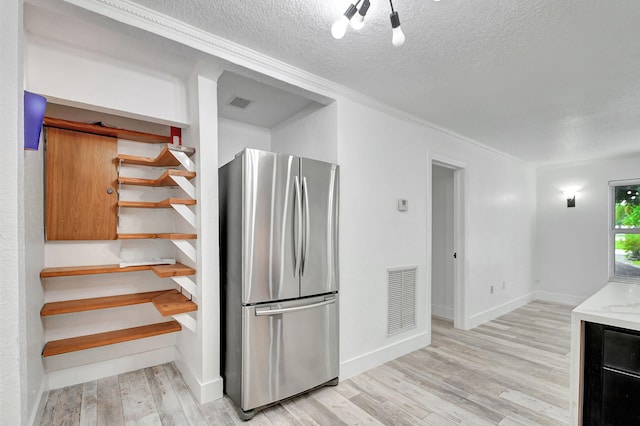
616, 304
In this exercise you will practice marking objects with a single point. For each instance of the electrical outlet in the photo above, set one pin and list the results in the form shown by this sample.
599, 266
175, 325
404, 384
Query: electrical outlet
491, 289
504, 285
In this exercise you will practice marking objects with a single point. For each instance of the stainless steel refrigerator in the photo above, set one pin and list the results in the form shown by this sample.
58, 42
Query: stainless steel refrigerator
279, 277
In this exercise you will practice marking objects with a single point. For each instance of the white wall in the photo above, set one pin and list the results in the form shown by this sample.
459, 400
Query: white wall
442, 242
234, 136
16, 400
573, 242
384, 158
34, 256
86, 79
381, 159
312, 134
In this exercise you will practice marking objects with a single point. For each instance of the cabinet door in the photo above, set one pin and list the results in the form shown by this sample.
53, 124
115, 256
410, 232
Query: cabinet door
80, 186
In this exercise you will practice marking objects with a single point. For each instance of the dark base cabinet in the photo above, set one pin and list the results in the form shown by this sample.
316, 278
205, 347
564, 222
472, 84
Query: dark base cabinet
611, 376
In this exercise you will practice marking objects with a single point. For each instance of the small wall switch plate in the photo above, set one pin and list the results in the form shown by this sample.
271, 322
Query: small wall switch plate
403, 205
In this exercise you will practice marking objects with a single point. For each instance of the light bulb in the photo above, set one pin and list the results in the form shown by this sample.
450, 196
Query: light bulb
339, 29
358, 22
398, 37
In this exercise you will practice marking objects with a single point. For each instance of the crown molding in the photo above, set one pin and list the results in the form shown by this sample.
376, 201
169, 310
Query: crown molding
589, 162
146, 19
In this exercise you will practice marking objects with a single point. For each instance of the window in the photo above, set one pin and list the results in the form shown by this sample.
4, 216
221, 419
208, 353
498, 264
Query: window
625, 231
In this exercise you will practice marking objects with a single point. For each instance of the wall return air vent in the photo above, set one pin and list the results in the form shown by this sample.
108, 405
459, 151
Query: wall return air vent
239, 102
401, 287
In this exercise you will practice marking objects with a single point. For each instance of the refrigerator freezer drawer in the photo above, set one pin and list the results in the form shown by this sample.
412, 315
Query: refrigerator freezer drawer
289, 348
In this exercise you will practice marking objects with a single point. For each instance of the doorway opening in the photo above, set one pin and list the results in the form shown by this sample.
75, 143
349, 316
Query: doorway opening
447, 241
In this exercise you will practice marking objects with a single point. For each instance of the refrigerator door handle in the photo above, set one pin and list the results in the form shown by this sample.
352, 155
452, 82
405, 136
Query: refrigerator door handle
307, 221
297, 227
268, 311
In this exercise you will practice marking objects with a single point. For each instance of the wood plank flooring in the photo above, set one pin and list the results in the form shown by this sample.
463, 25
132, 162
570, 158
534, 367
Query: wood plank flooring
511, 371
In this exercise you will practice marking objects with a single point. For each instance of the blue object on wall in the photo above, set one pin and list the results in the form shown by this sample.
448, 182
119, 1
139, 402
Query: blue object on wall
34, 106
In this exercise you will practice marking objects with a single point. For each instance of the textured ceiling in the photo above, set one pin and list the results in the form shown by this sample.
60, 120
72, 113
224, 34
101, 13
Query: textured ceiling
546, 81
269, 105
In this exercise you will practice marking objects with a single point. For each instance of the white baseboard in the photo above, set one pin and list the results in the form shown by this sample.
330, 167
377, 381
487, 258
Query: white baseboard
493, 313
442, 312
203, 392
379, 356
99, 370
563, 299
36, 413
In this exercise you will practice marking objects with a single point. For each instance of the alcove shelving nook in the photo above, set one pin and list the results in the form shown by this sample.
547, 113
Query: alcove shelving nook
129, 194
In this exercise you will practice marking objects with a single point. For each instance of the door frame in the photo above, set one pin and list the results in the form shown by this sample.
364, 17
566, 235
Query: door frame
460, 319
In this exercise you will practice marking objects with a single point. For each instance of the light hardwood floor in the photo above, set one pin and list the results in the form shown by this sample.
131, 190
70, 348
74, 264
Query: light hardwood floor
511, 371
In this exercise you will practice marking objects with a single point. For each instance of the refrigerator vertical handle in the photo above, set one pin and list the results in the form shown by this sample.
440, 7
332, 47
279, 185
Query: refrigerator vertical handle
297, 227
307, 221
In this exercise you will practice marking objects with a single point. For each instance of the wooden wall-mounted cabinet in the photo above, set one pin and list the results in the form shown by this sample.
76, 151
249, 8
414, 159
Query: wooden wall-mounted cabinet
81, 194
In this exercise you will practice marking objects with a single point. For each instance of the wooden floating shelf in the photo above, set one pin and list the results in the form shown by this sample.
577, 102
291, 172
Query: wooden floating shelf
114, 132
164, 159
81, 305
164, 204
176, 270
163, 180
63, 346
68, 271
157, 236
173, 303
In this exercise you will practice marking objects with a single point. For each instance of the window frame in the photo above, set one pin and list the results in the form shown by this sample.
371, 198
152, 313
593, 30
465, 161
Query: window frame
613, 231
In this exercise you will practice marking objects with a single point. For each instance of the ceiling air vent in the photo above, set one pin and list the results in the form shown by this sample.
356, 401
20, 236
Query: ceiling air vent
239, 102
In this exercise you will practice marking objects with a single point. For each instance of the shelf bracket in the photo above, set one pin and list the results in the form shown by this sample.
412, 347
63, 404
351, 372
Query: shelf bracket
186, 283
186, 186
186, 213
186, 247
187, 321
184, 160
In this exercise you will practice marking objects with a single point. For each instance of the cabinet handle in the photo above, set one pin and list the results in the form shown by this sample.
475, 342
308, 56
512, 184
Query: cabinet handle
110, 191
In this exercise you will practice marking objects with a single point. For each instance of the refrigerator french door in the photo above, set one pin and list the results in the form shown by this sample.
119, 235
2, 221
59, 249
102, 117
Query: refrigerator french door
279, 276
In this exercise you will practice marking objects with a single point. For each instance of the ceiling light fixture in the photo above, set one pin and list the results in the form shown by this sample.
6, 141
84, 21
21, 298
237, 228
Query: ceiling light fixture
358, 21
339, 28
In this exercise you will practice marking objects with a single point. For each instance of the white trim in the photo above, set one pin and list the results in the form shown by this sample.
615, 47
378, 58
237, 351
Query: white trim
460, 287
624, 182
498, 311
203, 392
613, 230
362, 363
442, 312
156, 23
599, 160
36, 413
560, 298
99, 370
447, 162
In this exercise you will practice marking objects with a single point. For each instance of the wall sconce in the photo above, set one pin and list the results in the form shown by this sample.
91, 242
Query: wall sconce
570, 196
